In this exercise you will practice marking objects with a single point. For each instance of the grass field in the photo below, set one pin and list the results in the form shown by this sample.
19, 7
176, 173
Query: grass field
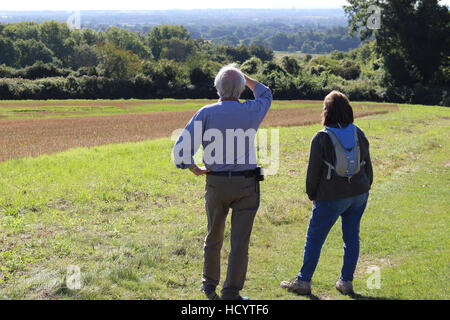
134, 224
50, 109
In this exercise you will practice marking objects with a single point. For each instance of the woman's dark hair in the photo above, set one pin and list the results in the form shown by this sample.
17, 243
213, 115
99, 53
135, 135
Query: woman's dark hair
337, 109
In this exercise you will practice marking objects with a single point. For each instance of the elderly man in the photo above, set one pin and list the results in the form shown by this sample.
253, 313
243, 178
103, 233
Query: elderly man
226, 130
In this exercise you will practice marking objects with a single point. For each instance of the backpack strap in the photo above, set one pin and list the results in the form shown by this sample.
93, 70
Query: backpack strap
330, 167
334, 138
335, 141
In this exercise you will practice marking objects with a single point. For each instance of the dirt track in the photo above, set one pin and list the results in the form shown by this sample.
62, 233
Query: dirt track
33, 137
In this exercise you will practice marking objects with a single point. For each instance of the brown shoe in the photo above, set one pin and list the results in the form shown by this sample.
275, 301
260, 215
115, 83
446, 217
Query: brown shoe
344, 287
298, 286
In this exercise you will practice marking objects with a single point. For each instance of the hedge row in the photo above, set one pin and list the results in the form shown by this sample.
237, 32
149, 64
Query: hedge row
144, 87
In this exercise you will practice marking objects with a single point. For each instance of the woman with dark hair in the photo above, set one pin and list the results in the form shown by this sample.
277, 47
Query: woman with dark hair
338, 180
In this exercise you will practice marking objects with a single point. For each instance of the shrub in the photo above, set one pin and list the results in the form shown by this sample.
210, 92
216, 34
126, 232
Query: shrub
252, 65
42, 70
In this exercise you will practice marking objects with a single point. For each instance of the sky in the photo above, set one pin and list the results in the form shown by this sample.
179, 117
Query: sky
70, 5
162, 5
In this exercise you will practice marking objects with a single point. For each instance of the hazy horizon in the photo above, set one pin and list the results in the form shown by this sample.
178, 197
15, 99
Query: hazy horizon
135, 5
131, 5
170, 9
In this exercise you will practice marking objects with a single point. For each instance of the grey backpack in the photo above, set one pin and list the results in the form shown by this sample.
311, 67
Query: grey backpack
348, 161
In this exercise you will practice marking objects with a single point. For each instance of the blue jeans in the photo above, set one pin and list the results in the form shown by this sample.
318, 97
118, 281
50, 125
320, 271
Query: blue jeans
324, 216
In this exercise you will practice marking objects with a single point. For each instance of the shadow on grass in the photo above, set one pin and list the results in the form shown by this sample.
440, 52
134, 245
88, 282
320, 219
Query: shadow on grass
354, 296
357, 296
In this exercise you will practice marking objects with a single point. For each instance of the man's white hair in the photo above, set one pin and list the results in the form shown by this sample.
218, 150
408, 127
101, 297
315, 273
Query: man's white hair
230, 82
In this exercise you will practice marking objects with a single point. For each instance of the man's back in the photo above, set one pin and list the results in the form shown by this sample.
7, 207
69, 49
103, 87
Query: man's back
228, 129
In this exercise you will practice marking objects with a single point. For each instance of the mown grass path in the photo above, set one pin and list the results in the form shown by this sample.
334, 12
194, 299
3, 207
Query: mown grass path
135, 225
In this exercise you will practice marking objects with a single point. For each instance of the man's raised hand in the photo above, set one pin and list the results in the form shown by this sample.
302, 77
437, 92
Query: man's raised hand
250, 83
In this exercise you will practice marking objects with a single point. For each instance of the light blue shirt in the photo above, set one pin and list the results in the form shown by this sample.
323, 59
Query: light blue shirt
226, 130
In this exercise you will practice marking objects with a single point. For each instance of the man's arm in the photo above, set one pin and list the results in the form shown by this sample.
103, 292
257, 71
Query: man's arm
188, 143
263, 97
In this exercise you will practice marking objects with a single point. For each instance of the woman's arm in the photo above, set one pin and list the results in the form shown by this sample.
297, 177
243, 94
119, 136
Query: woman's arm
368, 166
315, 167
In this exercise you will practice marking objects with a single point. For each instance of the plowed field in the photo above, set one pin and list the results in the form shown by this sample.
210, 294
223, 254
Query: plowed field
36, 136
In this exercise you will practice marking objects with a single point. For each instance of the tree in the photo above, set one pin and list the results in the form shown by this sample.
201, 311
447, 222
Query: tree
9, 53
414, 38
252, 65
128, 40
118, 63
233, 54
167, 76
57, 37
290, 64
176, 49
280, 41
89, 36
261, 52
32, 51
173, 31
84, 56
270, 67
158, 35
42, 70
22, 30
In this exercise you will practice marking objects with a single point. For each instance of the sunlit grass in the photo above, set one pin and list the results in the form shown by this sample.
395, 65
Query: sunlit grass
135, 225
25, 109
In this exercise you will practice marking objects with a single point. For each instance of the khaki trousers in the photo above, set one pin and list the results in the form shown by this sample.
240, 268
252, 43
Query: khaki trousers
241, 194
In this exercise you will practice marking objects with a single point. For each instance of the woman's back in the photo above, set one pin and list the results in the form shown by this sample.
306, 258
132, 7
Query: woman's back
318, 187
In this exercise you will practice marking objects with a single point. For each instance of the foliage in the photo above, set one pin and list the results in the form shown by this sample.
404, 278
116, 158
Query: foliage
414, 40
290, 65
168, 62
118, 63
252, 65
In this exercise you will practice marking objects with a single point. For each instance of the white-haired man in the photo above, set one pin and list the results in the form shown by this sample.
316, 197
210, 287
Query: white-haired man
227, 130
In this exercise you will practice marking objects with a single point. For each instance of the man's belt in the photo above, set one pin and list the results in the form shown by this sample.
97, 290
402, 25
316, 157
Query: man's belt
246, 173
258, 173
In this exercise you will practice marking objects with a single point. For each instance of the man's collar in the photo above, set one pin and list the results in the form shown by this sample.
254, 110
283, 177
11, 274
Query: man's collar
229, 99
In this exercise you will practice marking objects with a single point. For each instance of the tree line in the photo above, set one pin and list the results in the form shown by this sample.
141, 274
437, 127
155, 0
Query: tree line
281, 37
51, 61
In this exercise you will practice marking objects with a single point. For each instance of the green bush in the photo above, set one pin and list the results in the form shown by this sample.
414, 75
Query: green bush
252, 65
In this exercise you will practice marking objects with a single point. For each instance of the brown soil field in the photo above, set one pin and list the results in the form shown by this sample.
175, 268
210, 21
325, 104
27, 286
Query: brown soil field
100, 103
127, 103
33, 137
